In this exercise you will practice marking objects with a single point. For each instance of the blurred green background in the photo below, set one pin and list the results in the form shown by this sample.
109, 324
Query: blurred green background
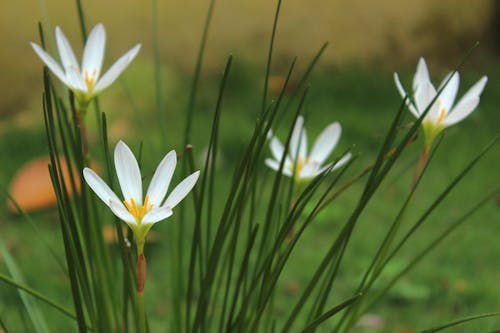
352, 84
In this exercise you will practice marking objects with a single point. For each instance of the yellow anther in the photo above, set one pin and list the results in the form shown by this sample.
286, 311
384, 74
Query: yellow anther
442, 112
300, 164
90, 78
137, 212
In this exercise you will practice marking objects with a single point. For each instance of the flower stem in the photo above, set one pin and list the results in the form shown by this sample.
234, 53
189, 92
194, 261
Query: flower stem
140, 271
83, 132
422, 162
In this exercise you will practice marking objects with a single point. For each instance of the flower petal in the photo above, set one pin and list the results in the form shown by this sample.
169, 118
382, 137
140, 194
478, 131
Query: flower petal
181, 190
467, 103
128, 173
403, 94
161, 179
449, 92
74, 80
309, 170
325, 143
296, 138
93, 53
121, 212
118, 67
50, 62
421, 75
66, 54
277, 148
423, 97
303, 144
99, 186
275, 165
156, 215
462, 111
338, 164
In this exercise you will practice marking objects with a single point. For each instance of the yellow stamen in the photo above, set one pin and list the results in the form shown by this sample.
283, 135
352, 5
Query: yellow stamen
442, 112
137, 212
300, 164
90, 78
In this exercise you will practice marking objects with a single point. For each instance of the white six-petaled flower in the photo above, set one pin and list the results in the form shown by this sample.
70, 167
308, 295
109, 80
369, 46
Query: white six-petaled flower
298, 163
443, 112
85, 81
141, 214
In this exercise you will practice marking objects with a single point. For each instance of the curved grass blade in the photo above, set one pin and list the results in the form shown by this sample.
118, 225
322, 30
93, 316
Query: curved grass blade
461, 321
270, 56
36, 316
40, 296
428, 249
328, 314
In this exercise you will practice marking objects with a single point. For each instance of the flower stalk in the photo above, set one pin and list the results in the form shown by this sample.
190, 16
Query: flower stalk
140, 272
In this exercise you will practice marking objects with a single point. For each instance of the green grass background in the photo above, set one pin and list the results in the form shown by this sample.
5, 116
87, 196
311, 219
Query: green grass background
352, 85
459, 278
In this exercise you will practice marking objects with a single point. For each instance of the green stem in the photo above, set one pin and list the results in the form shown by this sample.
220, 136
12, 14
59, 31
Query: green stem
140, 271
422, 162
83, 132
142, 312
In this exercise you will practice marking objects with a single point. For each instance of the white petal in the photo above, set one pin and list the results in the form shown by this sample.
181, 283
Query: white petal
99, 186
275, 165
404, 94
156, 215
296, 137
181, 190
342, 161
421, 75
121, 212
339, 163
309, 170
128, 173
163, 175
277, 148
449, 92
93, 54
118, 67
467, 103
50, 62
303, 144
66, 54
461, 111
74, 80
423, 97
325, 143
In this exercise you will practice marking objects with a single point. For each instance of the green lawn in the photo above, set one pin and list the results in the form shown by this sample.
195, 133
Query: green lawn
458, 279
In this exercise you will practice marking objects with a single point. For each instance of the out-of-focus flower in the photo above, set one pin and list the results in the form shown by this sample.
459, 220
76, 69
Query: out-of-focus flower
85, 81
299, 164
138, 214
443, 112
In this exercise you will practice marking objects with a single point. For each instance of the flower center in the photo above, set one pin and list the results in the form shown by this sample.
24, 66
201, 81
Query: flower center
138, 212
90, 78
442, 113
300, 164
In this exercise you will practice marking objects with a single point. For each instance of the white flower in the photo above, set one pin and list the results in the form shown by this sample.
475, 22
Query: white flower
443, 112
298, 163
85, 81
138, 214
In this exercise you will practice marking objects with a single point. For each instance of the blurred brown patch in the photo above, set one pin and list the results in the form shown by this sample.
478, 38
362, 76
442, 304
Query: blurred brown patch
31, 187
292, 288
277, 82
